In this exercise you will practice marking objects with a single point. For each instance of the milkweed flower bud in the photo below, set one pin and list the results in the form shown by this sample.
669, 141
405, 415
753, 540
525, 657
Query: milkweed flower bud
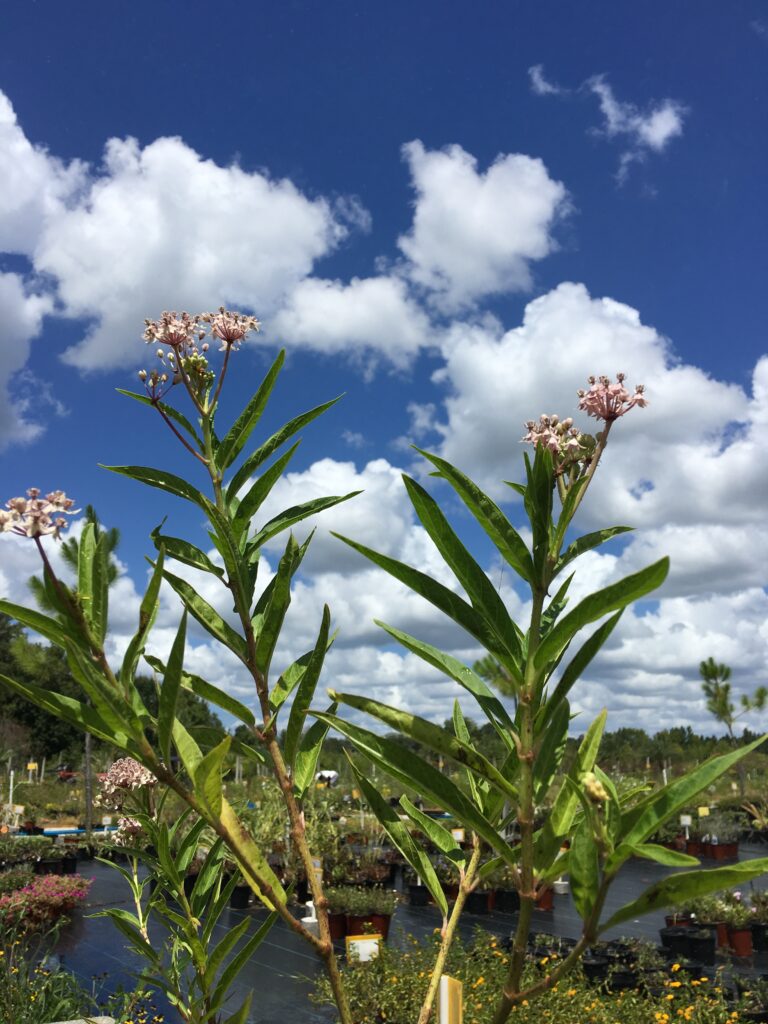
128, 831
594, 788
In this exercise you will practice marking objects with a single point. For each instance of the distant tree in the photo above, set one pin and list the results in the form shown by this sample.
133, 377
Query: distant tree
717, 690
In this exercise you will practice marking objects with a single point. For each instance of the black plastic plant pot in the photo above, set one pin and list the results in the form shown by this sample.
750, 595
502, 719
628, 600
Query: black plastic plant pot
507, 901
49, 867
622, 979
702, 945
595, 968
760, 936
419, 895
675, 940
240, 897
759, 1016
477, 903
69, 864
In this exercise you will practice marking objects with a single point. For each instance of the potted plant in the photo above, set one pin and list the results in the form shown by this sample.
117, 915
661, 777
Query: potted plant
369, 910
738, 917
754, 1002
338, 902
760, 921
507, 896
418, 894
709, 912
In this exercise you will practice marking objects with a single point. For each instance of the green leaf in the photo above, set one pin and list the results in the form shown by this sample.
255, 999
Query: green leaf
285, 520
163, 481
308, 753
170, 412
663, 855
584, 869
587, 543
492, 707
560, 818
207, 616
239, 960
73, 711
269, 616
413, 772
182, 551
169, 691
575, 668
256, 458
100, 595
434, 831
124, 922
217, 954
42, 624
640, 822
687, 885
306, 691
481, 592
508, 541
250, 859
208, 776
147, 613
238, 434
401, 838
550, 753
259, 491
538, 504
288, 681
609, 599
190, 753
441, 597
208, 692
122, 714
85, 552
240, 1016
432, 736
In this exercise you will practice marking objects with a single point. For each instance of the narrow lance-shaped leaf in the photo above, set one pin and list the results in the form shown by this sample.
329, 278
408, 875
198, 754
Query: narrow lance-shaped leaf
434, 831
432, 736
296, 514
269, 617
308, 753
73, 711
306, 691
401, 838
508, 541
170, 412
587, 543
182, 551
640, 822
100, 589
482, 593
441, 597
584, 869
594, 607
251, 860
264, 451
550, 753
208, 692
259, 491
147, 613
663, 855
238, 434
169, 691
240, 959
163, 481
42, 624
462, 734
575, 668
207, 616
685, 886
410, 770
492, 707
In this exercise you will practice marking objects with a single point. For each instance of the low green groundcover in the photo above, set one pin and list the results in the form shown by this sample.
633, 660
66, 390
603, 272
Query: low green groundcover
390, 989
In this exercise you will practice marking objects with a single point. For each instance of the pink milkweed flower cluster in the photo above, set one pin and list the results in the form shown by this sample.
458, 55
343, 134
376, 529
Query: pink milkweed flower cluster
128, 831
607, 401
34, 516
124, 776
559, 436
230, 328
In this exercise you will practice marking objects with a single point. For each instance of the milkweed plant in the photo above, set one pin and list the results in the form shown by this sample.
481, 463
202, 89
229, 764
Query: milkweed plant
542, 658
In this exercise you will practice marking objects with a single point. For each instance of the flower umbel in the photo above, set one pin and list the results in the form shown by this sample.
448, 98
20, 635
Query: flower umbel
34, 516
230, 328
124, 776
607, 401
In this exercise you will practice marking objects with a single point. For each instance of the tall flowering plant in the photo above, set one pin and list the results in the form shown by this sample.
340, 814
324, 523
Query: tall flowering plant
591, 828
605, 827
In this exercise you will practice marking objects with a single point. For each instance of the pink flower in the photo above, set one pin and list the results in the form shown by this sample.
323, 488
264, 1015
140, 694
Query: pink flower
34, 516
230, 328
607, 401
124, 775
177, 330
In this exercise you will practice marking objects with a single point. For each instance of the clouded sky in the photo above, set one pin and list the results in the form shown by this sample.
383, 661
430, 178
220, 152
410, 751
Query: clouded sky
453, 214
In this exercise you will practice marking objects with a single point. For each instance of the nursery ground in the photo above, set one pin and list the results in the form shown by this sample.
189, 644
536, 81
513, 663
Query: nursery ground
280, 974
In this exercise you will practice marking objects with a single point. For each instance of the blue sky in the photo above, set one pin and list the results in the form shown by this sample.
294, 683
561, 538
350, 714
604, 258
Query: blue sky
451, 213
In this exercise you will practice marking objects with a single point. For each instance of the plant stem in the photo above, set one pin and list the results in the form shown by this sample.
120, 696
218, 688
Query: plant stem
449, 933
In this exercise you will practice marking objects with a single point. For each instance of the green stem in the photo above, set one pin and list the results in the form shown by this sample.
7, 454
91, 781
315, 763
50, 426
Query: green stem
449, 933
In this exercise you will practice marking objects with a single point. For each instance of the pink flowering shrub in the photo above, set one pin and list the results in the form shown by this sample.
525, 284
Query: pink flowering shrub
41, 902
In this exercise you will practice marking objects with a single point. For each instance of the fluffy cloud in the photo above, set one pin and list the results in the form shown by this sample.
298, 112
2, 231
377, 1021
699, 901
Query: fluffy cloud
476, 234
540, 84
374, 317
21, 315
